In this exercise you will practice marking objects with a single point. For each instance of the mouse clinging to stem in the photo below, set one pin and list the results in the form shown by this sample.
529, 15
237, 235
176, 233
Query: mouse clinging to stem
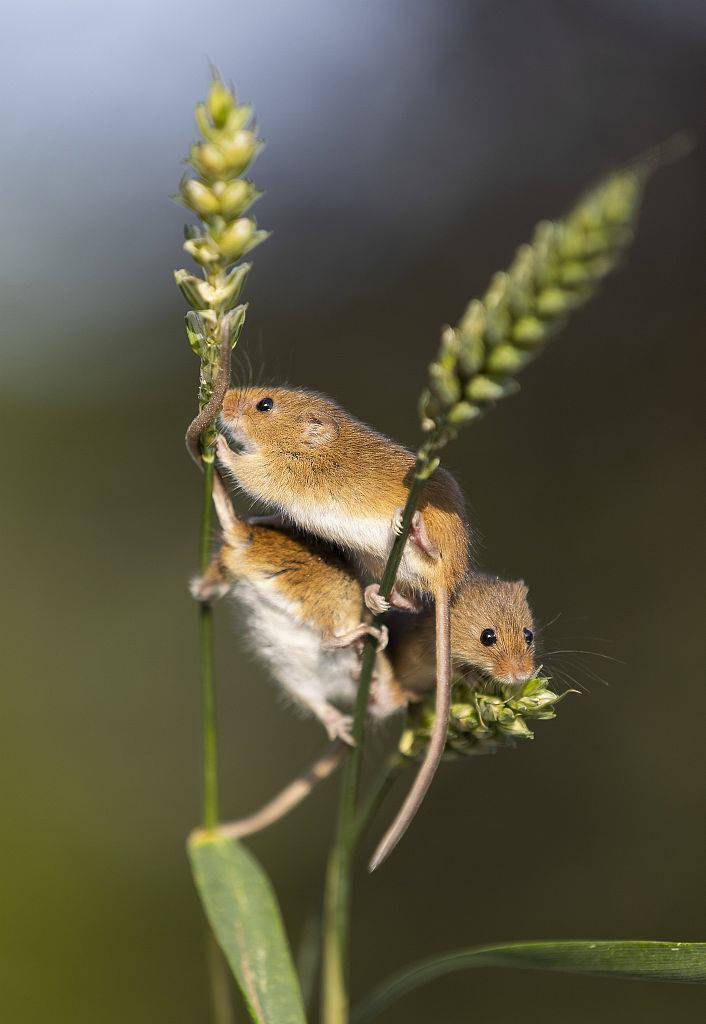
302, 604
335, 477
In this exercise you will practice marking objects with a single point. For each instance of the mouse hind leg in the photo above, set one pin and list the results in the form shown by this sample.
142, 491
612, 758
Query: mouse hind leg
417, 533
353, 636
378, 605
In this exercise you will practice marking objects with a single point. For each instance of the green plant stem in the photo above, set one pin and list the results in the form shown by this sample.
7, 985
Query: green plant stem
377, 795
219, 979
218, 971
337, 900
208, 695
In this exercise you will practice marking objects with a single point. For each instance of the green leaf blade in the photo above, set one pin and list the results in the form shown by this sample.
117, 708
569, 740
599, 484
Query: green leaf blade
242, 910
636, 960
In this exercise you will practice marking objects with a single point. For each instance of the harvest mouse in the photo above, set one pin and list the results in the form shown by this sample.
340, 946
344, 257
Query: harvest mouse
340, 480
302, 604
492, 636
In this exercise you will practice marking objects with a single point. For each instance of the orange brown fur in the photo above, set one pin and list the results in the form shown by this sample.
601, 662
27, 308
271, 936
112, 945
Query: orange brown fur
309, 604
339, 479
482, 602
303, 571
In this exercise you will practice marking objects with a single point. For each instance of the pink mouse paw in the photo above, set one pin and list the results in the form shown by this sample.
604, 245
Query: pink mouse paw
338, 726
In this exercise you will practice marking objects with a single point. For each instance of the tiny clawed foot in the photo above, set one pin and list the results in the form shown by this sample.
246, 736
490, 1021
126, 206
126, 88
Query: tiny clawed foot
381, 634
397, 521
377, 604
402, 603
338, 726
203, 590
417, 533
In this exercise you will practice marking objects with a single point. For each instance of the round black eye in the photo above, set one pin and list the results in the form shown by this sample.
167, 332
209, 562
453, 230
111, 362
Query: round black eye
265, 404
529, 635
488, 637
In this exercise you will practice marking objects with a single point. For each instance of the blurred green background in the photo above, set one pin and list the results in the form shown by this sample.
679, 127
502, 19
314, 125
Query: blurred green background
411, 147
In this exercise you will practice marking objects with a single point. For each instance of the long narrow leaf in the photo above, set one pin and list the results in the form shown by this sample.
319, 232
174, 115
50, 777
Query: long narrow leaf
647, 961
243, 913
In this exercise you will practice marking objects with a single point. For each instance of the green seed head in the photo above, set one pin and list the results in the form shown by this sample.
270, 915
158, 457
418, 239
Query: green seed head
235, 197
200, 198
220, 103
498, 334
482, 718
219, 196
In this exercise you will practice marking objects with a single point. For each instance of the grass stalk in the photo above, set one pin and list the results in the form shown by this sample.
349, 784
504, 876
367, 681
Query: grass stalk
378, 794
335, 998
209, 739
222, 1009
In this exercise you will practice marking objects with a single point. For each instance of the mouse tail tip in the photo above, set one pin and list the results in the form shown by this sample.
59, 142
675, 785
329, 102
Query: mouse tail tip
379, 857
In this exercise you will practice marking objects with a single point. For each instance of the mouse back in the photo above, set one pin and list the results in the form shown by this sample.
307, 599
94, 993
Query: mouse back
308, 575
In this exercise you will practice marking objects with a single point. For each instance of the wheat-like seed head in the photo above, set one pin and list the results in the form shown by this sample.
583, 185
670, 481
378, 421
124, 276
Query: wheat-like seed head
499, 334
220, 196
483, 719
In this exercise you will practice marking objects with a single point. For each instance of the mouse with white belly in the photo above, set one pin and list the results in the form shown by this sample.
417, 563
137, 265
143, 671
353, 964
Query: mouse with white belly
340, 480
302, 605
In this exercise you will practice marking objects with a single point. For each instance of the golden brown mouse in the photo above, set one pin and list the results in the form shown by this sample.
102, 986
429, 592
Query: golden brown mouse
492, 636
302, 605
340, 480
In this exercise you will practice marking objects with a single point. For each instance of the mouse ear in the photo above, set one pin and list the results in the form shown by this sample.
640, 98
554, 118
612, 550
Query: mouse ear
522, 588
319, 429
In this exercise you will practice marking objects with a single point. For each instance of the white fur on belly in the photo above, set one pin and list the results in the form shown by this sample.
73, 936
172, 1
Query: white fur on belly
361, 533
292, 649
370, 537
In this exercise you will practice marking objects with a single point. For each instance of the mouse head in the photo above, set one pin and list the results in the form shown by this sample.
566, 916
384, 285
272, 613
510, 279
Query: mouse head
280, 420
492, 629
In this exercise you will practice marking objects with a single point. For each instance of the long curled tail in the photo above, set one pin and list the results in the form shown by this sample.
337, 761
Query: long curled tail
289, 797
204, 419
437, 742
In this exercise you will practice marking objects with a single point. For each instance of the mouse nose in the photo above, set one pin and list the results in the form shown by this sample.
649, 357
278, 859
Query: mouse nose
517, 678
